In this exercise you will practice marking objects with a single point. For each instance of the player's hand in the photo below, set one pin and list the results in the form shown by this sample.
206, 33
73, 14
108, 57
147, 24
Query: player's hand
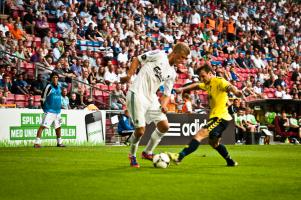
164, 109
179, 90
124, 79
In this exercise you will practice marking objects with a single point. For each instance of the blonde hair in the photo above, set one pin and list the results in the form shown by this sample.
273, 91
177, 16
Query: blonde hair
181, 47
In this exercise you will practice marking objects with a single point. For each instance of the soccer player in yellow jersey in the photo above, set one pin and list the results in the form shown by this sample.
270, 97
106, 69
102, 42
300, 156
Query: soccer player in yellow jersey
217, 89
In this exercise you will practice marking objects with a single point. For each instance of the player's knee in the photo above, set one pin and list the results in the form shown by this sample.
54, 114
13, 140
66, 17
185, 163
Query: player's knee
163, 129
201, 134
163, 126
214, 142
139, 131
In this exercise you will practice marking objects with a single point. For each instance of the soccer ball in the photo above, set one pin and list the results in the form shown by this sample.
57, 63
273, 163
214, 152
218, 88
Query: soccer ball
161, 160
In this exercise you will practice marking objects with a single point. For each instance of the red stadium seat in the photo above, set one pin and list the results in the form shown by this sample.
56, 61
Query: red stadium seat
28, 65
271, 95
102, 86
20, 97
97, 92
21, 104
112, 87
37, 98
183, 76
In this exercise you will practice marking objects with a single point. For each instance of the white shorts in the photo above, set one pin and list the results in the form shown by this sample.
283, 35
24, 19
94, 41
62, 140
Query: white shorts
144, 111
50, 118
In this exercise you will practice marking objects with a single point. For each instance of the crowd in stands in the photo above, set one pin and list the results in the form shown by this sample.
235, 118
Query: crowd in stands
256, 45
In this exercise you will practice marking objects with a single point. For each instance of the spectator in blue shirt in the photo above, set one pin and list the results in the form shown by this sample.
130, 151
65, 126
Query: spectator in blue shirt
125, 125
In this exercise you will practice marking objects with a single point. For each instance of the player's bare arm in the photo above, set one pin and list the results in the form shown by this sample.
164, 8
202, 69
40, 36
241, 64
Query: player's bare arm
164, 101
187, 88
235, 91
133, 68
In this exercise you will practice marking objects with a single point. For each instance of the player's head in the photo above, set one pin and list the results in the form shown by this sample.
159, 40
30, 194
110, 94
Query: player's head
205, 73
54, 76
180, 53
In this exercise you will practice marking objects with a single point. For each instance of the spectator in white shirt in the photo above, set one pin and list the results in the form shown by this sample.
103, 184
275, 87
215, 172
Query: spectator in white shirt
287, 94
279, 93
195, 20
62, 26
123, 56
110, 76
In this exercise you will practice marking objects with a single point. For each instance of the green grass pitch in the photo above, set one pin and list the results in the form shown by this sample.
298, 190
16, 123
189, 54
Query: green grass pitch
264, 172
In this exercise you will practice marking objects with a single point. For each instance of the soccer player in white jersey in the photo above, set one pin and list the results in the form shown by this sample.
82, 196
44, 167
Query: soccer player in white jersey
157, 68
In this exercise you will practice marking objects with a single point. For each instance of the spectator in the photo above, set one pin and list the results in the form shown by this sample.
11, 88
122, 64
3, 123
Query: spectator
251, 125
240, 125
42, 26
294, 126
62, 27
195, 20
29, 21
76, 68
17, 33
279, 93
38, 85
241, 61
279, 81
92, 76
6, 84
65, 99
110, 76
187, 107
118, 98
287, 94
125, 125
74, 101
258, 90
100, 75
248, 91
20, 86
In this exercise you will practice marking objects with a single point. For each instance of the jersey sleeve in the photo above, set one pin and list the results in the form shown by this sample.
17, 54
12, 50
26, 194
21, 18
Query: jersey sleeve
224, 85
150, 56
46, 91
168, 84
202, 86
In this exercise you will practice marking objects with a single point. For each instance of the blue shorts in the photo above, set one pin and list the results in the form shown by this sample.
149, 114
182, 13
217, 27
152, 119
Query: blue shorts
216, 127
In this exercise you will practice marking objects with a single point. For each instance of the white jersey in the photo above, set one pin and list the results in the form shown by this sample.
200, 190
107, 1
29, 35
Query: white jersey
154, 72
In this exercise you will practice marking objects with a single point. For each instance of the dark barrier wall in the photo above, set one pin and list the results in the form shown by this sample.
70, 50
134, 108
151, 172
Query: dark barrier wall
183, 127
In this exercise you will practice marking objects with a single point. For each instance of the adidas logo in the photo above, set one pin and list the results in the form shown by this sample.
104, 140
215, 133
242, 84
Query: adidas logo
185, 129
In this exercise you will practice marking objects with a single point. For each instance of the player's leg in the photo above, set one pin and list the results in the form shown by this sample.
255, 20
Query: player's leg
215, 138
161, 128
154, 114
195, 142
134, 143
192, 146
37, 142
57, 126
137, 112
47, 120
135, 139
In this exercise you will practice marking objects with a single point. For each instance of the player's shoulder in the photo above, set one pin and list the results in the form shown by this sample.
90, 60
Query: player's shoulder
156, 52
151, 55
218, 79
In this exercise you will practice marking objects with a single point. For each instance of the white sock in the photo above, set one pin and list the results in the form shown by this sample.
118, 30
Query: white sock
134, 144
154, 141
37, 141
59, 140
